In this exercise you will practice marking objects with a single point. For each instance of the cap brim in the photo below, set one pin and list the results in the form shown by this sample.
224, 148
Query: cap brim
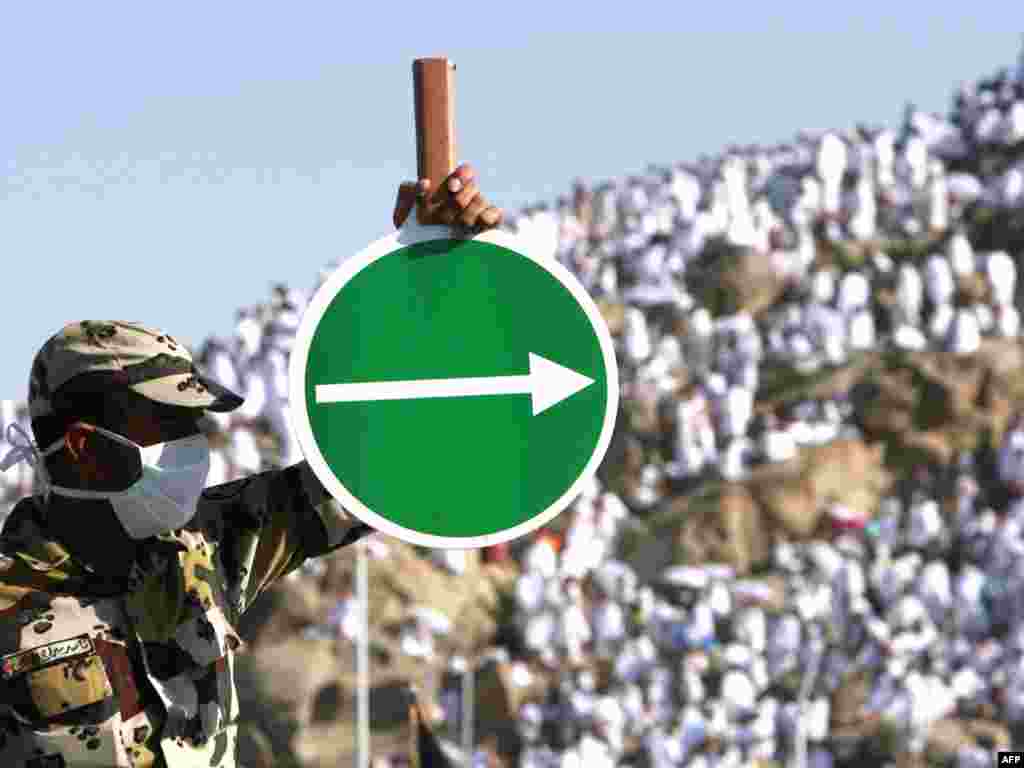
201, 392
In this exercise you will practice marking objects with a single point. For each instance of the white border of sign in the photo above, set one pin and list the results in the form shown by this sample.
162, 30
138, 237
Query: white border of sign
410, 234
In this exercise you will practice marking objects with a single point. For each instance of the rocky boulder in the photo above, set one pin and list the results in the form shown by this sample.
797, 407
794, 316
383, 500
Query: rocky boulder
728, 279
736, 522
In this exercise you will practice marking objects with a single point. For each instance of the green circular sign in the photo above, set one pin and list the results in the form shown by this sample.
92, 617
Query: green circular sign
453, 393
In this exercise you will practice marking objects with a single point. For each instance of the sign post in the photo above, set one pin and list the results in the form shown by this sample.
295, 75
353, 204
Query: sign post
468, 711
363, 655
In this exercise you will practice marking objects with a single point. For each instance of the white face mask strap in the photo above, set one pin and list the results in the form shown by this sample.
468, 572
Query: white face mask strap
24, 449
116, 437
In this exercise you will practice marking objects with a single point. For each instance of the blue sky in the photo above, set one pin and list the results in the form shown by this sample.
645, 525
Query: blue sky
167, 166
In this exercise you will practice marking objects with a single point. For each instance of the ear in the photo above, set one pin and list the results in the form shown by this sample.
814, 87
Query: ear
77, 440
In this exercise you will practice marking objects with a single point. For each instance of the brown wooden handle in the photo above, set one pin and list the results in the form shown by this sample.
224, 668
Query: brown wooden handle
433, 82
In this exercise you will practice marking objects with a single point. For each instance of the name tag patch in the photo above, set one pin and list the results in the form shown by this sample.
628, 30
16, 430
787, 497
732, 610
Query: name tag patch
25, 661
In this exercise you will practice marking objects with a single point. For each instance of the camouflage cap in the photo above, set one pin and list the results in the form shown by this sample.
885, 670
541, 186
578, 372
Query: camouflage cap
93, 355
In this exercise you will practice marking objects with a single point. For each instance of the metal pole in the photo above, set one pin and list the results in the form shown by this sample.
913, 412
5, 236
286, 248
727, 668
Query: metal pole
363, 658
468, 714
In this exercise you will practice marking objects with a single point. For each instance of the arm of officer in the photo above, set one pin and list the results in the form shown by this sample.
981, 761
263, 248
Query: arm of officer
273, 521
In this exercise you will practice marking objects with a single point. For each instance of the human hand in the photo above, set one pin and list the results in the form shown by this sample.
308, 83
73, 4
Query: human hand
457, 202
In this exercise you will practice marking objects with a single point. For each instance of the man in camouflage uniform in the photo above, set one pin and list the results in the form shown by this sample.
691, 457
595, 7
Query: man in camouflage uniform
122, 584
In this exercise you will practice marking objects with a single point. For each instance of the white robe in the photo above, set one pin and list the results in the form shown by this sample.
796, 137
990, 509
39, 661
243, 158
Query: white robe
245, 454
691, 732
915, 158
884, 145
609, 622
686, 190
892, 579
694, 445
222, 369
817, 714
930, 700
1010, 187
862, 330
701, 629
637, 338
249, 335
938, 279
854, 292
1012, 127
988, 126
544, 232
1001, 272
345, 618
961, 255
783, 644
750, 628
801, 352
738, 694
828, 328
737, 409
1015, 690
863, 222
1010, 464
529, 592
1007, 322
542, 558
779, 445
595, 753
662, 751
220, 471
935, 588
255, 390
823, 285
973, 757
974, 619
985, 317
941, 323
831, 165
925, 523
938, 203
540, 631
964, 334
819, 757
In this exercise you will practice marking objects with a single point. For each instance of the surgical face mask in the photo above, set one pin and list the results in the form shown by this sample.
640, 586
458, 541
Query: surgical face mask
164, 498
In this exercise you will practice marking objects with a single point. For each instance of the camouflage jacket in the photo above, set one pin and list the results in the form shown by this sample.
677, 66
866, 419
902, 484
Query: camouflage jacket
142, 675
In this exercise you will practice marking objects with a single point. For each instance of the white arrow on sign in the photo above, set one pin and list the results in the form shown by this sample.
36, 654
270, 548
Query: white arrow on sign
547, 383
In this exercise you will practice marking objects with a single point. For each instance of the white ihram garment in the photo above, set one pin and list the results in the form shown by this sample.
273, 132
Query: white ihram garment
941, 323
938, 279
964, 334
1001, 272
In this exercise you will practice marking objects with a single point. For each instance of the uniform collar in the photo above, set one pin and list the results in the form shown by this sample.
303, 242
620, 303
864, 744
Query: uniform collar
25, 537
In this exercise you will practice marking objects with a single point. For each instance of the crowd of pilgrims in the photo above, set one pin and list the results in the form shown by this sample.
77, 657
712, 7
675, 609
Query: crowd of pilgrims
699, 668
